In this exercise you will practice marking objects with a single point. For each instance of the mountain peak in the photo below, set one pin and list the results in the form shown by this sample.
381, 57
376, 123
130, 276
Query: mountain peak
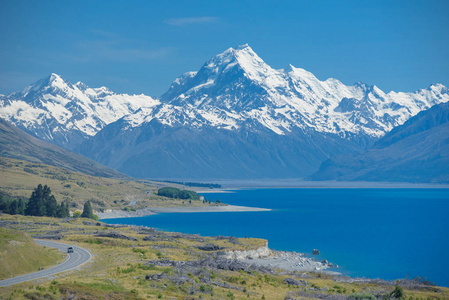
241, 55
56, 81
54, 76
52, 80
243, 47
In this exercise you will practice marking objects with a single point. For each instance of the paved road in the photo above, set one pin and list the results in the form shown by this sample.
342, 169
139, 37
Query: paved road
75, 259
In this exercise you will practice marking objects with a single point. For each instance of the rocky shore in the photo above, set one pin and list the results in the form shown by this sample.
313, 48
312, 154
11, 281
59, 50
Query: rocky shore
292, 262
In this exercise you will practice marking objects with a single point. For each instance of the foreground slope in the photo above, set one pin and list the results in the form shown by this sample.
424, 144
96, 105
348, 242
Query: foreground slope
417, 151
239, 118
14, 143
19, 254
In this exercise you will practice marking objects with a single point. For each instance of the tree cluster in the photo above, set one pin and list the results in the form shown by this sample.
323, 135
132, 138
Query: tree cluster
41, 203
175, 193
12, 206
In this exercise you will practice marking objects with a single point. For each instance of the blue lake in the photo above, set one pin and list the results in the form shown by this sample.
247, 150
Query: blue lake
377, 233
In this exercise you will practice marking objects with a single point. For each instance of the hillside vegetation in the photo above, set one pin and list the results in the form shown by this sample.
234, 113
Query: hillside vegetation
175, 193
19, 254
20, 178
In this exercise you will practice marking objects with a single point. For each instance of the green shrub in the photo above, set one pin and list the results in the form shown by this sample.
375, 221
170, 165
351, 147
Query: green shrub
361, 296
398, 292
175, 193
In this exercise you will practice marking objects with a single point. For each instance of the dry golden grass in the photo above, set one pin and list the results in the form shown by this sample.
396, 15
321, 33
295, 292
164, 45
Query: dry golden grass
19, 254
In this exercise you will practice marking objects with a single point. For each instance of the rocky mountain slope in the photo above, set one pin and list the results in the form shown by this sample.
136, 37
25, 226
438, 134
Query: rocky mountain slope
417, 151
14, 143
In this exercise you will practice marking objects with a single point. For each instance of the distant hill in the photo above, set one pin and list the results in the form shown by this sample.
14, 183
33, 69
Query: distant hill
14, 143
417, 151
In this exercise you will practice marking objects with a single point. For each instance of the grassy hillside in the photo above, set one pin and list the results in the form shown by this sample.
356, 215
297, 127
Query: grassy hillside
133, 262
19, 178
15, 143
19, 254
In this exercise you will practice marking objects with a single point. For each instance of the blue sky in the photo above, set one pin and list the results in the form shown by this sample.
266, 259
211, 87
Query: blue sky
142, 46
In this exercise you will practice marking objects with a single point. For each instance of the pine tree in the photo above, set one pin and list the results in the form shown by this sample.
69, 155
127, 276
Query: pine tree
21, 207
36, 204
51, 206
14, 208
87, 211
4, 205
63, 210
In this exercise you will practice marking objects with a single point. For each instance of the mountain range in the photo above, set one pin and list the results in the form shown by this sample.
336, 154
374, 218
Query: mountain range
66, 114
417, 151
236, 117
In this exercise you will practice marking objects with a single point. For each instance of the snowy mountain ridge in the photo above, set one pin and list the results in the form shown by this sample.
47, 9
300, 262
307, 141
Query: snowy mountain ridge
237, 87
234, 90
56, 110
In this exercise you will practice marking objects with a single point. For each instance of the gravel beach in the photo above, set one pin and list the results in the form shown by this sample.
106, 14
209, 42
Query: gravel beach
292, 261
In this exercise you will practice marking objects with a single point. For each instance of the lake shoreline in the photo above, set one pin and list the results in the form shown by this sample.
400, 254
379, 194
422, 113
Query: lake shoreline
148, 211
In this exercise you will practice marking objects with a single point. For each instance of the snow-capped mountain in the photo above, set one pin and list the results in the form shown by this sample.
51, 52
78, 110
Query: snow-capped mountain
55, 110
237, 87
238, 117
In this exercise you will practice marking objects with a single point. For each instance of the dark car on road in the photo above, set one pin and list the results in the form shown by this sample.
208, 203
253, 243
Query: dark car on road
70, 250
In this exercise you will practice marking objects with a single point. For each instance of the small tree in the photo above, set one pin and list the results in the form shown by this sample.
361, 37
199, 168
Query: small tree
87, 211
398, 292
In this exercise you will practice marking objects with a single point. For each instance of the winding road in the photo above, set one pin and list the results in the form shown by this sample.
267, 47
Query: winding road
75, 259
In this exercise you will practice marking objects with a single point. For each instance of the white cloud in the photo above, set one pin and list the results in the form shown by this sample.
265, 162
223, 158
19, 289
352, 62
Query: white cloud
192, 20
118, 50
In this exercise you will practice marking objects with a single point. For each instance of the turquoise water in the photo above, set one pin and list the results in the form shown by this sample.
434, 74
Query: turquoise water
377, 233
